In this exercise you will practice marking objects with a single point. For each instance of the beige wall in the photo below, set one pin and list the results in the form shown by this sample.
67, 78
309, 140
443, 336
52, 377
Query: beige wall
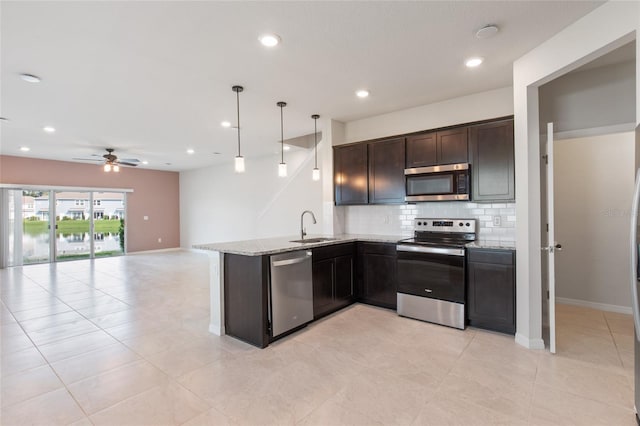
155, 194
593, 186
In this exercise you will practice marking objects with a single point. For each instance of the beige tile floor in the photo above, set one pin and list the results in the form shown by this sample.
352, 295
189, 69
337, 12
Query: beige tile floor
124, 341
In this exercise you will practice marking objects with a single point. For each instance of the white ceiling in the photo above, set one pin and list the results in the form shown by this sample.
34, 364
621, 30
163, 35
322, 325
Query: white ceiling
152, 79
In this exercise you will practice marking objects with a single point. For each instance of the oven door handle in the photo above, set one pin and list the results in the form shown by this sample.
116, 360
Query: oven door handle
431, 250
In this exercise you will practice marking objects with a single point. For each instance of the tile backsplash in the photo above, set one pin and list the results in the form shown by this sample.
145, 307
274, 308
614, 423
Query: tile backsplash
398, 219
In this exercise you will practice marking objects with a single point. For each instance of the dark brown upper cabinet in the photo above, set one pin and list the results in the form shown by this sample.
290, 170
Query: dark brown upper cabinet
422, 150
492, 161
435, 148
386, 171
350, 174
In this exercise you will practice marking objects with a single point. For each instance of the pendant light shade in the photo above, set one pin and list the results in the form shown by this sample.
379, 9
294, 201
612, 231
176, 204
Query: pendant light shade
282, 167
315, 175
239, 162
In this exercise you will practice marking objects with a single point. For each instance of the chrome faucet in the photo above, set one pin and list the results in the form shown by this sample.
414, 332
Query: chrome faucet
303, 231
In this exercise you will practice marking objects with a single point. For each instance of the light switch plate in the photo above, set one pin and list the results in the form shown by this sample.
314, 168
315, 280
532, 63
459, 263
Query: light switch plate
497, 221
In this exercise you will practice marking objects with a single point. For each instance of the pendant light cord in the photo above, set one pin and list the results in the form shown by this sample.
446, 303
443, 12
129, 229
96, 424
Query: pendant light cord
238, 110
281, 134
315, 135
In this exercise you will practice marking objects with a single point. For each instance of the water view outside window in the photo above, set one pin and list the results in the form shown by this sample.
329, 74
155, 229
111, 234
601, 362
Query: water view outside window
35, 225
73, 227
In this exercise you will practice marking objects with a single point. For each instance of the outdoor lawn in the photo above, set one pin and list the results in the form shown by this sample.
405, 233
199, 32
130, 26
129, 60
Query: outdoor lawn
37, 227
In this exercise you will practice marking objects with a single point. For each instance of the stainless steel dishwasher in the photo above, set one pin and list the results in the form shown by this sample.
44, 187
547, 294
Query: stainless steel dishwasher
291, 291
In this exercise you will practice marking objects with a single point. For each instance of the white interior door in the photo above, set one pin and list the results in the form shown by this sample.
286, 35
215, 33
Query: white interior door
551, 247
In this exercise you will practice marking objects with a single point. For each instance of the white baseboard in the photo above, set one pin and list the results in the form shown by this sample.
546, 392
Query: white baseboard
595, 305
155, 251
529, 343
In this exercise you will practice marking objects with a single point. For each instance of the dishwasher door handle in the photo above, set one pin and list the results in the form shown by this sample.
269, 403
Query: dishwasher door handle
291, 261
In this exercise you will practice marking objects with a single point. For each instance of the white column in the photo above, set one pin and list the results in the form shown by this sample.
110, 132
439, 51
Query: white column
216, 292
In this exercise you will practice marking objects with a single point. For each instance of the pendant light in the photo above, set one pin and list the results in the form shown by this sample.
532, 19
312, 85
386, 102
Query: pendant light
282, 167
316, 171
239, 164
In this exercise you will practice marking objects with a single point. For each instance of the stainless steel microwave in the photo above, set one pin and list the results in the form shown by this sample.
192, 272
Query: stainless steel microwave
449, 182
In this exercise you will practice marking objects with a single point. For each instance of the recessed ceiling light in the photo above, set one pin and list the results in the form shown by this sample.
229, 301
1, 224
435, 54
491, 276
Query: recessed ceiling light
473, 62
487, 31
30, 78
25, 149
190, 151
145, 162
225, 124
49, 129
217, 153
362, 93
269, 40
5, 119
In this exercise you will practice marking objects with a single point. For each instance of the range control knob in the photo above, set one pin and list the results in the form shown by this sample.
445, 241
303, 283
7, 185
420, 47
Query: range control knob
468, 224
419, 223
461, 224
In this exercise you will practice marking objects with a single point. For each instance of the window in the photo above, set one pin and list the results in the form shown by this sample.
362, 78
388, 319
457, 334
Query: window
97, 202
79, 202
98, 215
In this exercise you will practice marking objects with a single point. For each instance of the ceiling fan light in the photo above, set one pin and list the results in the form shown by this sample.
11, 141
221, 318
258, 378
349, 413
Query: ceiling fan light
107, 167
116, 168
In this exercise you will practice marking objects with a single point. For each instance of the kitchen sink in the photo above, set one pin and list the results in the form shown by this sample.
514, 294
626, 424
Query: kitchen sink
312, 240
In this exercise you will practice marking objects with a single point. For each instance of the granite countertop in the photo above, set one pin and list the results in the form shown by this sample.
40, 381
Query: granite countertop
263, 246
492, 244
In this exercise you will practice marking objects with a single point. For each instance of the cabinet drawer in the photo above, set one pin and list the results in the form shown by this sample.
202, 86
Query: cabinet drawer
501, 257
377, 248
329, 252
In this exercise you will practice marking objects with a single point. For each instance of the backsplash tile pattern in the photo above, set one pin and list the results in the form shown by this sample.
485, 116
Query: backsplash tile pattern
398, 219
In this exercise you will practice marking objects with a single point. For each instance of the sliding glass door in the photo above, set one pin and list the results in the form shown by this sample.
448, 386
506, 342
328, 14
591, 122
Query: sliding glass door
108, 223
73, 225
44, 225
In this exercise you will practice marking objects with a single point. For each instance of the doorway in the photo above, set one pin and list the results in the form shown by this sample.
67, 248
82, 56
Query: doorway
593, 110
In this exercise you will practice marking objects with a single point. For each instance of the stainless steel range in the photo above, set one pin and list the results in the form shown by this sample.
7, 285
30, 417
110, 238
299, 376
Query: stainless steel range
431, 278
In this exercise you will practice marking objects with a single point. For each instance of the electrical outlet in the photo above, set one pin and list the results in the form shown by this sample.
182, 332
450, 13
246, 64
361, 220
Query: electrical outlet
497, 221
145, 217
159, 240
386, 219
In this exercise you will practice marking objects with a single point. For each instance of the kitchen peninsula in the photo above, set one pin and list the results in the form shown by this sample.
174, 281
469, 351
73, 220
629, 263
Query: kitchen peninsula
240, 308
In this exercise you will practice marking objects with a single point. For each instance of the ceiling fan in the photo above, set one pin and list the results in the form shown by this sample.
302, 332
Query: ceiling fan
111, 161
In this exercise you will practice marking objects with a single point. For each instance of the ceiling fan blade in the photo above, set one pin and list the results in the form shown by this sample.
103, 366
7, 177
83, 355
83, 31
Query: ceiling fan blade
131, 160
124, 163
88, 159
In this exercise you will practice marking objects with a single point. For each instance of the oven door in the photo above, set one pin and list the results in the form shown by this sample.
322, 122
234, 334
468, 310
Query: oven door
436, 273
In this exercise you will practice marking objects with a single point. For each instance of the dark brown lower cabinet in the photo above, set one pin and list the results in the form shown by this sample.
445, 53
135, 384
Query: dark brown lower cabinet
246, 314
333, 272
377, 274
491, 289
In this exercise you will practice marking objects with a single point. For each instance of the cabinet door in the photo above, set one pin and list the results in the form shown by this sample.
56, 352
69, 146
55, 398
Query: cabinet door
386, 172
492, 161
452, 146
491, 296
350, 174
379, 280
343, 290
323, 273
422, 150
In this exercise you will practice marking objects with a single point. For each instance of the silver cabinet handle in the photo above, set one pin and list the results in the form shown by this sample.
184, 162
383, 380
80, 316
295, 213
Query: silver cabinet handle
432, 250
428, 290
